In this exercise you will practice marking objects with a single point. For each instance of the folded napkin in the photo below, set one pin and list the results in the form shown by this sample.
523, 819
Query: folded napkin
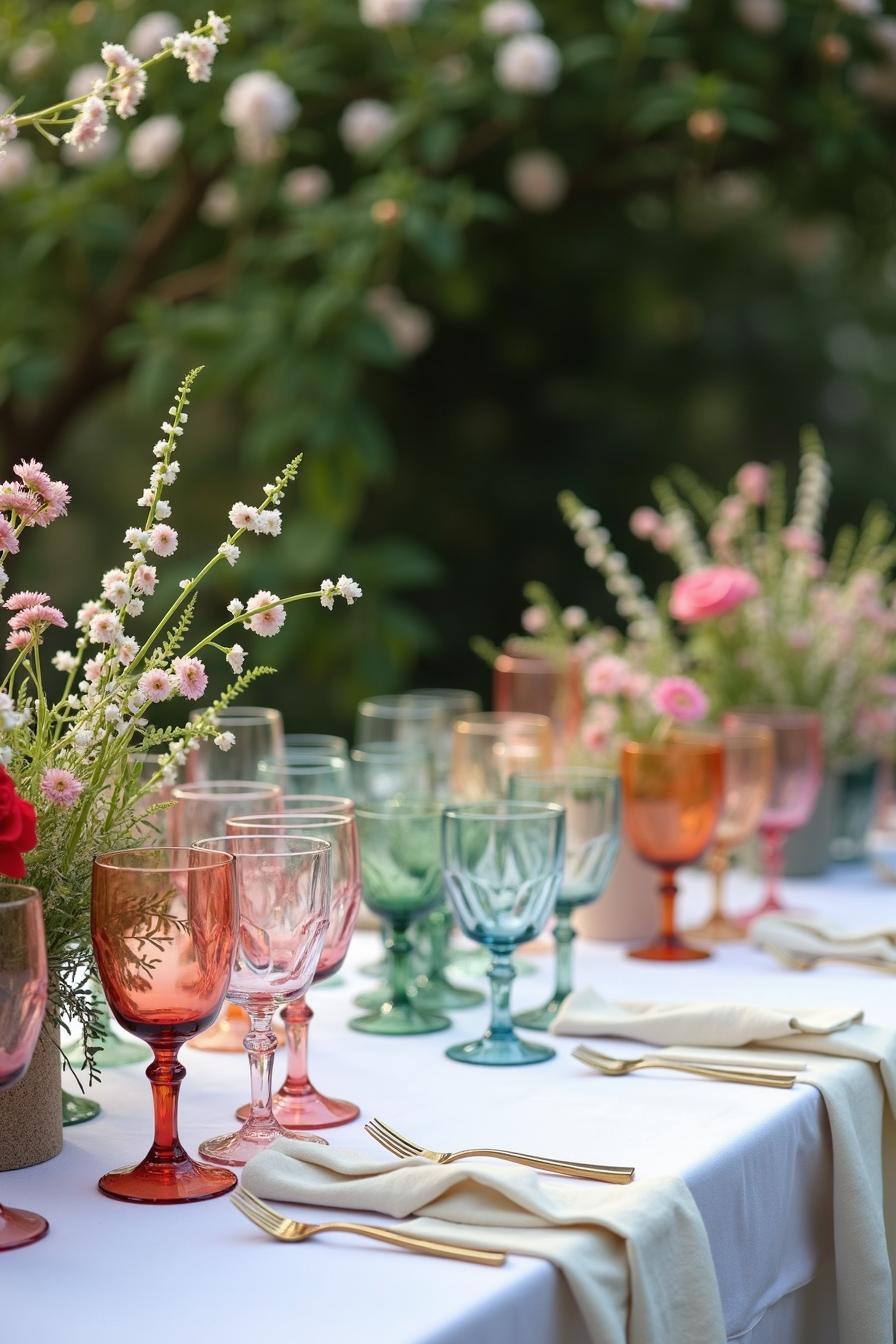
636, 1257
804, 936
861, 1109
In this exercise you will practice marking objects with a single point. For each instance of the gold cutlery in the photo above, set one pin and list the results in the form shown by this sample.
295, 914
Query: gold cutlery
403, 1147
618, 1068
287, 1229
804, 961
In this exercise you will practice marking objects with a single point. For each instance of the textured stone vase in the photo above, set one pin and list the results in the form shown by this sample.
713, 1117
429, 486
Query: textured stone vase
31, 1112
629, 908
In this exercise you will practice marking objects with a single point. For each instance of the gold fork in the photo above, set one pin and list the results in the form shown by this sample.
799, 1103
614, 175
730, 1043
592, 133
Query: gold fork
403, 1147
287, 1229
618, 1068
804, 961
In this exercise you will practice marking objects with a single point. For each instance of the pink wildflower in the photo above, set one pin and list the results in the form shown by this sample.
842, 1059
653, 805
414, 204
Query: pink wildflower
55, 505
155, 685
14, 498
32, 475
752, 482
9, 542
18, 601
19, 639
703, 593
644, 523
89, 125
60, 786
264, 623
534, 620
163, 539
607, 675
145, 579
93, 668
680, 698
40, 614
192, 678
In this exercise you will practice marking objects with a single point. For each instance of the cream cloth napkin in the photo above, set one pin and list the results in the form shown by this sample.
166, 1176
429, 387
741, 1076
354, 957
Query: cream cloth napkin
860, 1104
809, 937
636, 1257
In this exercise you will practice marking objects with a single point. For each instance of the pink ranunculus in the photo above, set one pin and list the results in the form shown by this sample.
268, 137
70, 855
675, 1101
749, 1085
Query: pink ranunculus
752, 482
680, 698
644, 522
703, 593
606, 675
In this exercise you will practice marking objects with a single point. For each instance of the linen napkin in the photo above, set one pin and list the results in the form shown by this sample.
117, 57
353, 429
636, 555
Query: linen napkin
805, 936
636, 1258
861, 1109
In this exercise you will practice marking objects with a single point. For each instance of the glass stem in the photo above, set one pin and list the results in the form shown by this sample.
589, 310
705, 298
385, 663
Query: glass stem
772, 842
297, 1017
501, 976
439, 929
165, 1074
260, 1043
398, 954
668, 892
564, 935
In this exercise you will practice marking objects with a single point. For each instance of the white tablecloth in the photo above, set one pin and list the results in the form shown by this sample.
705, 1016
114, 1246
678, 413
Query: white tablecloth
757, 1161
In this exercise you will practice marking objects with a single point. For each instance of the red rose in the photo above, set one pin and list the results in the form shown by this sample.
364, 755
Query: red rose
18, 831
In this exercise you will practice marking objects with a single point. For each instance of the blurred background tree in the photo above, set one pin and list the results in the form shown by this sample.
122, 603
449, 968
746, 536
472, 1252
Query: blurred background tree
462, 257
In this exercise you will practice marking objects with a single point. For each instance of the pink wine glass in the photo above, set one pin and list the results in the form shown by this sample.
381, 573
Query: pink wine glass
164, 924
298, 1104
283, 882
23, 1001
796, 780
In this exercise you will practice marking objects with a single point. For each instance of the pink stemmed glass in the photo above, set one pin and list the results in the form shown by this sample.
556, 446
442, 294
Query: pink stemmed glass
283, 882
164, 925
23, 1000
202, 808
796, 780
298, 1104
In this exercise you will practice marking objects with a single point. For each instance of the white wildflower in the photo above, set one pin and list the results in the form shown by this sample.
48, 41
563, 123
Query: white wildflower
243, 516
199, 54
269, 522
265, 613
64, 661
5, 755
327, 593
528, 63
389, 13
126, 650
163, 510
224, 741
136, 538
235, 657
230, 552
135, 606
365, 124
259, 106
503, 18
537, 179
220, 204
105, 628
89, 125
348, 589
153, 144
306, 186
235, 606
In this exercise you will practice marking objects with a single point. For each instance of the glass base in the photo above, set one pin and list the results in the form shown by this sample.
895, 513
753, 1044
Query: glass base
226, 1036
75, 1110
540, 1019
18, 1227
374, 998
770, 906
375, 969
501, 1051
718, 929
151, 1182
437, 991
234, 1150
476, 962
117, 1054
311, 1110
668, 949
400, 1019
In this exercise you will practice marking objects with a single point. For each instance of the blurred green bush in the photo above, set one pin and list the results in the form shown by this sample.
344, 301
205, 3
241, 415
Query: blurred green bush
450, 332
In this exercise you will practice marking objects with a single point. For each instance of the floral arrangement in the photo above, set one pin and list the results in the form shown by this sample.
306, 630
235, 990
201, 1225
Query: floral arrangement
72, 751
757, 614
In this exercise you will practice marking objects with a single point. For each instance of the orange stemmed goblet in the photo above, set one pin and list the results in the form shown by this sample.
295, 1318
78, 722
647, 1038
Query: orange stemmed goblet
672, 795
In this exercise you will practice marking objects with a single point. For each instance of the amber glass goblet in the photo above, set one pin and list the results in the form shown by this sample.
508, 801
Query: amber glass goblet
748, 766
200, 809
488, 748
23, 1000
259, 737
796, 780
671, 799
298, 1104
164, 924
283, 884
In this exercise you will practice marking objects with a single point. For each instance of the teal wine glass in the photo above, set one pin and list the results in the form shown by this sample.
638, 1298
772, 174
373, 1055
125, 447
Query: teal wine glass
590, 799
503, 866
402, 876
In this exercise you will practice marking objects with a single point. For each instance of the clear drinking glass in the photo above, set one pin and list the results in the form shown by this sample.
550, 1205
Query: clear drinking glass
796, 780
503, 866
382, 771
23, 1001
259, 736
164, 924
283, 885
307, 773
298, 1104
201, 809
590, 798
488, 748
322, 744
672, 796
401, 867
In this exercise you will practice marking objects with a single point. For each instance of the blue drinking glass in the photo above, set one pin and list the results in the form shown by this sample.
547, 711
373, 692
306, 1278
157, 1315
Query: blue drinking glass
503, 866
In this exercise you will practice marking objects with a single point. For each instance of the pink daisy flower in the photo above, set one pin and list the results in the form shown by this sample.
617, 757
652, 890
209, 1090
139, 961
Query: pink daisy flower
93, 668
60, 786
55, 506
15, 498
8, 540
680, 698
33, 475
19, 639
38, 615
105, 628
192, 678
265, 623
19, 601
155, 684
163, 540
145, 579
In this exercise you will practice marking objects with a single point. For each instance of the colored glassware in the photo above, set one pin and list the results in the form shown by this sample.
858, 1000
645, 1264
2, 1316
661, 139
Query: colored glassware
283, 884
323, 744
164, 925
75, 1110
23, 1001
796, 780
298, 1104
201, 809
590, 799
304, 772
748, 768
488, 748
526, 684
402, 872
671, 799
503, 865
259, 737
382, 771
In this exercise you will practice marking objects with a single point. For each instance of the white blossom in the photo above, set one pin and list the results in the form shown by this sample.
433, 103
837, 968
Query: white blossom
528, 63
365, 124
148, 34
389, 13
163, 510
89, 124
224, 741
306, 186
105, 628
135, 606
235, 657
235, 607
198, 52
502, 18
64, 661
220, 204
258, 105
243, 516
537, 179
136, 538
153, 144
5, 755
269, 522
129, 83
348, 589
230, 552
761, 16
